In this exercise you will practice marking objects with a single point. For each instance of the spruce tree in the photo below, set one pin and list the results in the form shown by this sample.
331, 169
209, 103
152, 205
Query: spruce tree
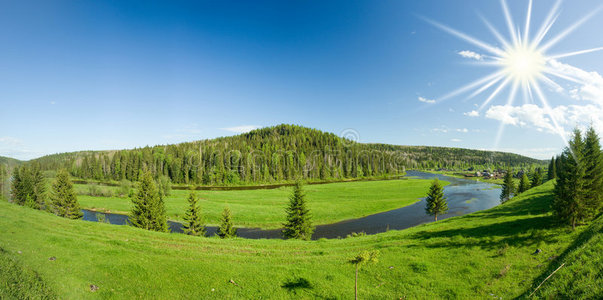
298, 225
524, 184
593, 174
148, 210
226, 229
18, 188
569, 188
194, 221
508, 188
435, 202
552, 174
536, 177
64, 198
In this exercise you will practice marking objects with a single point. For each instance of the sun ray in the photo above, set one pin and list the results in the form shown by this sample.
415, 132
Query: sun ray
560, 75
496, 34
547, 24
549, 111
526, 33
496, 91
470, 86
568, 30
486, 86
509, 20
556, 56
470, 39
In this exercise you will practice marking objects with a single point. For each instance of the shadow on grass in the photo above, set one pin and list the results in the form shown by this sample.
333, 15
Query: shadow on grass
526, 222
299, 283
583, 238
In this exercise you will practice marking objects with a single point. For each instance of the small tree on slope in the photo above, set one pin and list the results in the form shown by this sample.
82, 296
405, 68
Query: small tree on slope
194, 221
226, 229
360, 259
524, 184
435, 202
148, 211
508, 188
298, 225
63, 197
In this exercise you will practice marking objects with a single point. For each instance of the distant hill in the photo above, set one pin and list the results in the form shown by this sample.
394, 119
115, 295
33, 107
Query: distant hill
273, 154
9, 161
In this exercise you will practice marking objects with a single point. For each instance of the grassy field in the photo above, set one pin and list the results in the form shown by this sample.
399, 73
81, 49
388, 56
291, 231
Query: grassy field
265, 208
484, 255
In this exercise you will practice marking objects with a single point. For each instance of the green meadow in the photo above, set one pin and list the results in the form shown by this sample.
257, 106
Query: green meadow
265, 208
485, 255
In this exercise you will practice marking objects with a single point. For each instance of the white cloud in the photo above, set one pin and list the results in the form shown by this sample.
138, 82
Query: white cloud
591, 87
473, 113
445, 129
533, 116
425, 100
463, 130
241, 129
456, 140
470, 54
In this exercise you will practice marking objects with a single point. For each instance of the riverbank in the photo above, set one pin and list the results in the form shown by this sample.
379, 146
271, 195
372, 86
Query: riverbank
265, 208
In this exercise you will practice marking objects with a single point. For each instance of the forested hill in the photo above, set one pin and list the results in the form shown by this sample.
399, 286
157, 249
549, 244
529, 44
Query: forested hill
272, 154
9, 161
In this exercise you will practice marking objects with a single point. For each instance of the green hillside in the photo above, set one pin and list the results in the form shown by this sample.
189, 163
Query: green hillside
271, 155
483, 255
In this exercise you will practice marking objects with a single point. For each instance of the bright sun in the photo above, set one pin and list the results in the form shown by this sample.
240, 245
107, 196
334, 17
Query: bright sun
523, 64
521, 61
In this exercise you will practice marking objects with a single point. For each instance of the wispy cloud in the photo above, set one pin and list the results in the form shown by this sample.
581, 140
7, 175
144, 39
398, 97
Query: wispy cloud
241, 129
473, 113
470, 54
456, 140
425, 100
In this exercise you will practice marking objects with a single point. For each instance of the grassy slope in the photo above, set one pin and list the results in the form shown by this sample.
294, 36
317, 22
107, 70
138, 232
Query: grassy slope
266, 208
478, 255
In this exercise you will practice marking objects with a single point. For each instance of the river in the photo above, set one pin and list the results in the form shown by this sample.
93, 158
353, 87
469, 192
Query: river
464, 196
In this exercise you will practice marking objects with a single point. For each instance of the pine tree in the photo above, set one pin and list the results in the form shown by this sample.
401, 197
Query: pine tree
435, 202
18, 188
569, 188
64, 198
552, 174
298, 225
508, 188
593, 174
148, 211
227, 229
536, 177
194, 222
524, 183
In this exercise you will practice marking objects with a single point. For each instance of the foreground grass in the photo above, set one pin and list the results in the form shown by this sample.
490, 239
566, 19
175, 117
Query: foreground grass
481, 255
265, 208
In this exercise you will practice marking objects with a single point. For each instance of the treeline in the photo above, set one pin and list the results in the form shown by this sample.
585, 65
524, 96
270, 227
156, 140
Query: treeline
273, 154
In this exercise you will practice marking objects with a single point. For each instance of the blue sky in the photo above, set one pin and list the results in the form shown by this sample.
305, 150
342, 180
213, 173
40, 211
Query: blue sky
96, 75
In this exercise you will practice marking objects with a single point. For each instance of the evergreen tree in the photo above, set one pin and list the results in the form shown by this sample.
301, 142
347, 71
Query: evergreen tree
508, 188
593, 174
569, 188
436, 204
298, 225
552, 174
64, 198
194, 221
148, 211
227, 229
28, 186
524, 183
536, 177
